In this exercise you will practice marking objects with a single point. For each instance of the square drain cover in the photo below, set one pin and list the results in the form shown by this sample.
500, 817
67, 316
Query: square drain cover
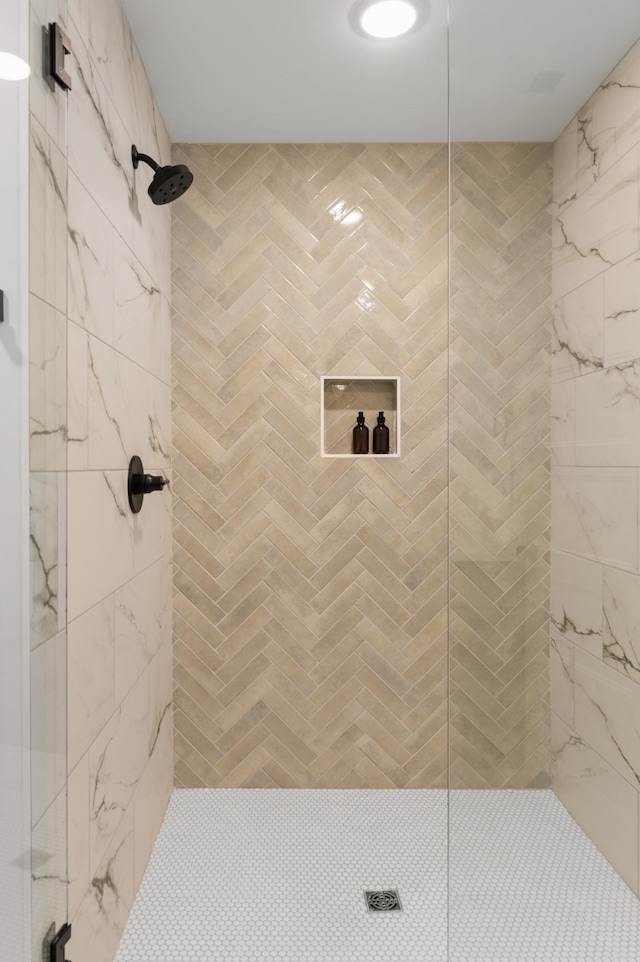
387, 900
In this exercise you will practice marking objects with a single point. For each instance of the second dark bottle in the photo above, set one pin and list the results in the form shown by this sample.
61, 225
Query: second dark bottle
361, 436
381, 436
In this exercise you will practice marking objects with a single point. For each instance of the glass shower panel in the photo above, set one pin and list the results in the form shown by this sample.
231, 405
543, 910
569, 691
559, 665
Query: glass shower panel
543, 473
14, 558
48, 490
346, 620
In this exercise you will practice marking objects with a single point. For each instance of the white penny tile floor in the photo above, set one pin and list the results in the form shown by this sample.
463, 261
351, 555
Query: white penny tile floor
280, 875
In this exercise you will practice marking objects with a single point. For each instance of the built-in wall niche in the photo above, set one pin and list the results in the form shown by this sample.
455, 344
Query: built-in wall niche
342, 398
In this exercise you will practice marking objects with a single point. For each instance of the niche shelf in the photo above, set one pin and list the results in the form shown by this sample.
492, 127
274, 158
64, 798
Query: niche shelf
340, 400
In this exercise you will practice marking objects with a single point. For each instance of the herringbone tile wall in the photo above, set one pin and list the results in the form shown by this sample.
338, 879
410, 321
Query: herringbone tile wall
499, 506
310, 593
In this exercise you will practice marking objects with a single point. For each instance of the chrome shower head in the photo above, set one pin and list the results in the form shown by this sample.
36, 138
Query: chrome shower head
168, 182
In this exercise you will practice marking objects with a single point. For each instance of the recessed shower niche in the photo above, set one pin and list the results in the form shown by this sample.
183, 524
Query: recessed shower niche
342, 398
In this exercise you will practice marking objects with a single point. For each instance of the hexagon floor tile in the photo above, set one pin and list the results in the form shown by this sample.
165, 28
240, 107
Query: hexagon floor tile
276, 875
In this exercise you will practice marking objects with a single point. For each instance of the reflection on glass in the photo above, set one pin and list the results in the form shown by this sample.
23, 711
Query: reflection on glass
13, 67
544, 757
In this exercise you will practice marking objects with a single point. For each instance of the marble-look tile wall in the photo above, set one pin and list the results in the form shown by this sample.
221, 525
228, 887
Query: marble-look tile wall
119, 742
100, 355
595, 582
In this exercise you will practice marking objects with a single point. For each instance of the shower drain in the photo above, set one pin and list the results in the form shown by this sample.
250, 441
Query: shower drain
386, 901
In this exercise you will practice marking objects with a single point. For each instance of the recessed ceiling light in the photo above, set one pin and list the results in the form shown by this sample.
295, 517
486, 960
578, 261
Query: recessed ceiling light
12, 67
385, 19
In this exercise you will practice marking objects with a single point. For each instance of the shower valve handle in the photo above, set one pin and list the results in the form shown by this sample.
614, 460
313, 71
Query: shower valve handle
146, 483
141, 483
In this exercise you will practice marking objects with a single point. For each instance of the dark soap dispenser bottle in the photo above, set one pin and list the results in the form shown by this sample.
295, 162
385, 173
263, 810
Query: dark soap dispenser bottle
361, 436
381, 436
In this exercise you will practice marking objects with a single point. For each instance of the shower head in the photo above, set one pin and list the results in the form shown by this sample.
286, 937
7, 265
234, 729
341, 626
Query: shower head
168, 183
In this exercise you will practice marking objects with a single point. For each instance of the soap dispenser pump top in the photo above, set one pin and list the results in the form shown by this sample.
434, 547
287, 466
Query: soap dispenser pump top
361, 436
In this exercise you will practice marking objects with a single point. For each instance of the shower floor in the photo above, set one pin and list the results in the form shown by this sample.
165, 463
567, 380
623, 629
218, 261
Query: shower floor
280, 875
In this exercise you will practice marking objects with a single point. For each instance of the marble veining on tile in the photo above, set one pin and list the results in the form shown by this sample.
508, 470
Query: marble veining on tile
599, 229
48, 724
608, 715
90, 677
47, 387
116, 761
142, 623
48, 872
78, 830
77, 448
108, 247
563, 422
621, 312
594, 513
608, 416
99, 145
101, 539
576, 600
100, 392
563, 679
591, 789
104, 910
609, 123
140, 314
47, 492
565, 166
621, 613
577, 331
595, 397
91, 263
48, 438
47, 219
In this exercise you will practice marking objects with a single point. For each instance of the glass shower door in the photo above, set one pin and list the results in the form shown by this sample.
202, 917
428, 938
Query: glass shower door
14, 558
47, 489
545, 288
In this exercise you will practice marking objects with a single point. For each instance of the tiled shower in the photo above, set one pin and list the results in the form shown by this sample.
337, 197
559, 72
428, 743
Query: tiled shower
100, 392
460, 619
311, 610
594, 521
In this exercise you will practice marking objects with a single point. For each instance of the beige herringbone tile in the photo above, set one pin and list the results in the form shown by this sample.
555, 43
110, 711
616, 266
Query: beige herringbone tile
311, 594
500, 309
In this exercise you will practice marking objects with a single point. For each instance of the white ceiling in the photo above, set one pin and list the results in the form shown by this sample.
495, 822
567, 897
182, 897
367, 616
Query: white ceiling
249, 71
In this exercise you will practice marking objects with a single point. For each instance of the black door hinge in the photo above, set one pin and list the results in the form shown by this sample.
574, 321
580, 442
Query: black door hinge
56, 46
56, 949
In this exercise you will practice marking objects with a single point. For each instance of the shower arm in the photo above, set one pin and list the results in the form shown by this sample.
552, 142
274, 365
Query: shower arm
137, 157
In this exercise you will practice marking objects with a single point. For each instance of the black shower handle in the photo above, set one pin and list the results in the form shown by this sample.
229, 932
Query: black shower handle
146, 483
141, 483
